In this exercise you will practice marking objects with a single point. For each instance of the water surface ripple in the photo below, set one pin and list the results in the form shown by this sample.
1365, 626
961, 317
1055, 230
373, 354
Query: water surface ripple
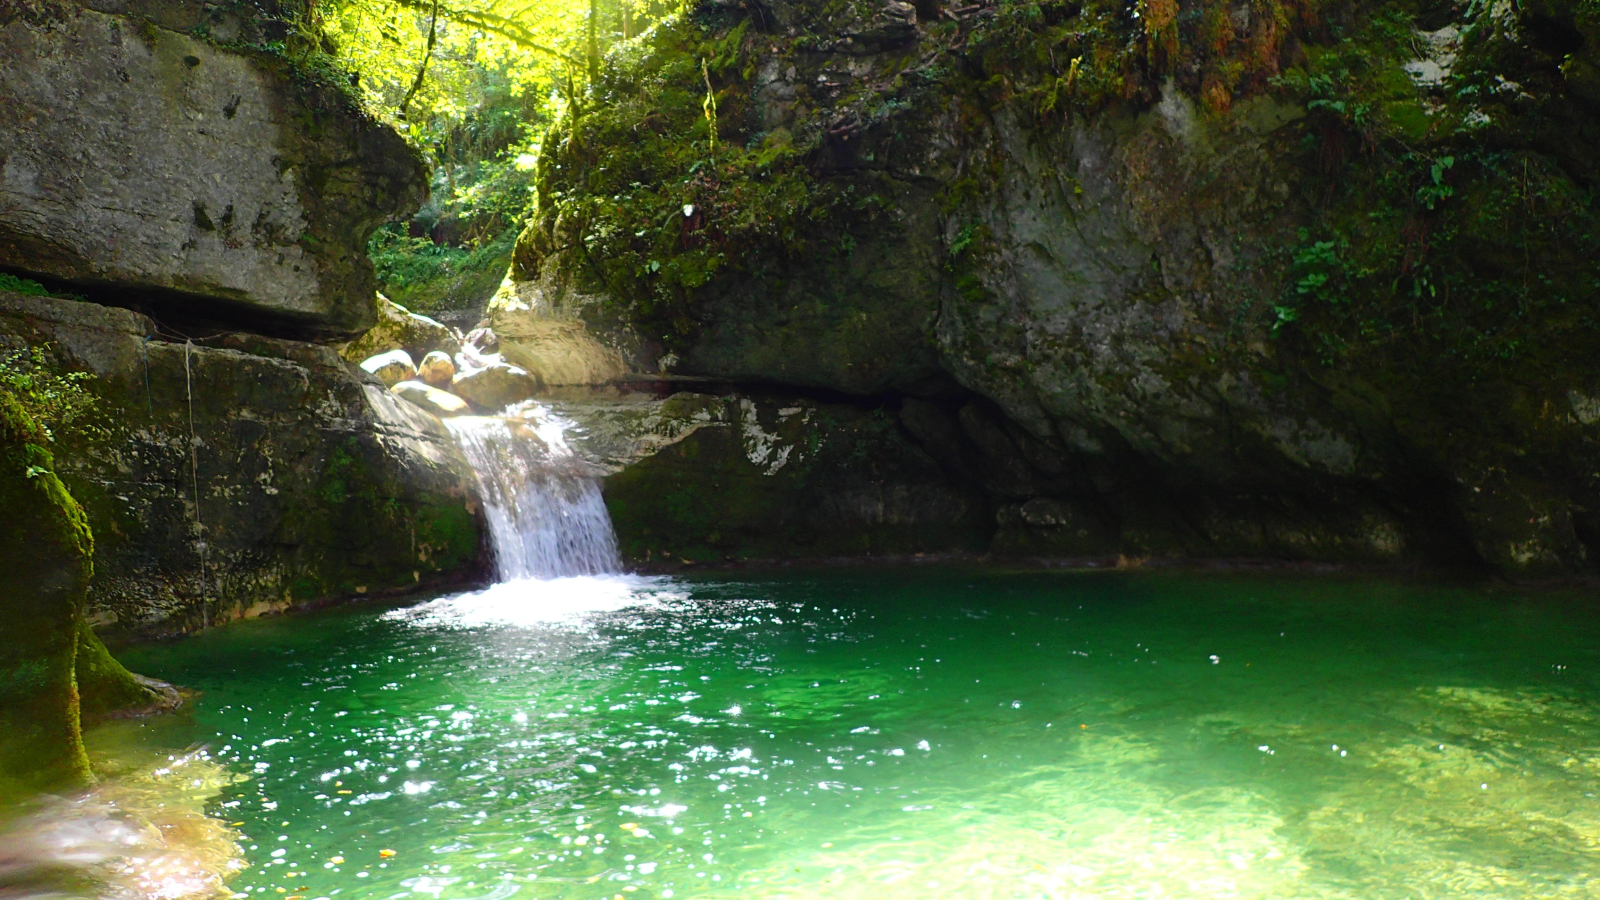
928, 734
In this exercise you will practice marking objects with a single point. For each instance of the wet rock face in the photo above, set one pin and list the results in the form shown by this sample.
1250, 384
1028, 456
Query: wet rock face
217, 183
314, 481
739, 478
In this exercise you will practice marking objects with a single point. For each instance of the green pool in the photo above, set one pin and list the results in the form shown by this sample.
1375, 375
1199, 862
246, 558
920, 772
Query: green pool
927, 733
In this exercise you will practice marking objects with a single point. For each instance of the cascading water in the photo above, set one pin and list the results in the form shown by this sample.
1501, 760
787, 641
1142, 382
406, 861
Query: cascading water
545, 513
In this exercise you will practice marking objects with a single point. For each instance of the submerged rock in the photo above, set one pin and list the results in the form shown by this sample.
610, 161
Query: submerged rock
221, 184
430, 398
437, 370
392, 367
494, 387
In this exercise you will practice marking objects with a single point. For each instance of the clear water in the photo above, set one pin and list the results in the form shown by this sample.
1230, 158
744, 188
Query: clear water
928, 733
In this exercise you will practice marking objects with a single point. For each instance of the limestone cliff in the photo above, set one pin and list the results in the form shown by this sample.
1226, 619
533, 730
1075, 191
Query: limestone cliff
1303, 281
160, 158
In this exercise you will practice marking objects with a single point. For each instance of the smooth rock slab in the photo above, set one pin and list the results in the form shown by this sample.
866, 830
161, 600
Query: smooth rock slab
494, 387
440, 403
137, 157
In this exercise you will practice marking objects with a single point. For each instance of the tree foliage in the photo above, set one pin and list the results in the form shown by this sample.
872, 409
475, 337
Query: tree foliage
475, 84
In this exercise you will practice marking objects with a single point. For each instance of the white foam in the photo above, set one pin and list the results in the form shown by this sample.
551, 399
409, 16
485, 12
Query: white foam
531, 602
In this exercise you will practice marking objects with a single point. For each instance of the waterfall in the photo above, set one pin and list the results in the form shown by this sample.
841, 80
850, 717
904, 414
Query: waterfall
543, 505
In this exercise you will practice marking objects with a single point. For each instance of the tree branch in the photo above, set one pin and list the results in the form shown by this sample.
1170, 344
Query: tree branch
494, 24
433, 33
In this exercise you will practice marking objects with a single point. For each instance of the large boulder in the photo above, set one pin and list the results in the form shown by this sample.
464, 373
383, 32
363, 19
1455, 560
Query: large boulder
493, 387
220, 184
401, 329
314, 481
558, 349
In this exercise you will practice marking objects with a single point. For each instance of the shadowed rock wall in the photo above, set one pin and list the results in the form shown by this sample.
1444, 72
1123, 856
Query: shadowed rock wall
1337, 309
314, 482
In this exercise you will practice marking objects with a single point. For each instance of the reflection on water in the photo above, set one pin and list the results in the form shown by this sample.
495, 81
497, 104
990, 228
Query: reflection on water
141, 834
897, 735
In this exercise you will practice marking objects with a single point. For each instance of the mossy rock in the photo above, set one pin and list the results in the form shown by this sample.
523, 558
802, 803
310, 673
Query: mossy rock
45, 562
106, 689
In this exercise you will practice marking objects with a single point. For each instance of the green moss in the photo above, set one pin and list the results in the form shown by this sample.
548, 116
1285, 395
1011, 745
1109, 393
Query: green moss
451, 535
375, 535
45, 553
105, 686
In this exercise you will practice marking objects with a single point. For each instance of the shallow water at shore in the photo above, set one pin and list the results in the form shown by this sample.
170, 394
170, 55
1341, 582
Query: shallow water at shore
907, 733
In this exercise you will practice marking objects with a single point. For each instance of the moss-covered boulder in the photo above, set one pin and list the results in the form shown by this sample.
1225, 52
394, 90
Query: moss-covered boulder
46, 557
399, 328
106, 689
55, 673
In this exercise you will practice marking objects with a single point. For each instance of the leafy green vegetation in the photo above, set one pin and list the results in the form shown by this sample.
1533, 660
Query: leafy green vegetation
24, 286
661, 190
58, 401
29, 287
1450, 223
474, 85
428, 277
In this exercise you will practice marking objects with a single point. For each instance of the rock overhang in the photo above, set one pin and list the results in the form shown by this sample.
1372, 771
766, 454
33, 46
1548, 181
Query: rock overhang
211, 183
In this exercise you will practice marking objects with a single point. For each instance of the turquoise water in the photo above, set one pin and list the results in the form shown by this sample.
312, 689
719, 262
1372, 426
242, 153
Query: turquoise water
928, 733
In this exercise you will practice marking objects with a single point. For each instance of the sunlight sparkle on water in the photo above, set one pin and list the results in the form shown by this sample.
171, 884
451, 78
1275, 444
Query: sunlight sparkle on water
890, 736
